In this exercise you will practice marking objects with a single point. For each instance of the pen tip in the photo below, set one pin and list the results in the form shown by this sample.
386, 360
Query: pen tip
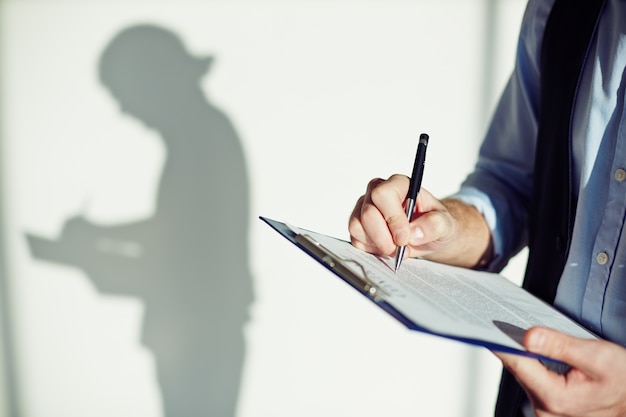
399, 256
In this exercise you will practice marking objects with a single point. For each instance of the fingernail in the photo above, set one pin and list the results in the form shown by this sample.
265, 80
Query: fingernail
417, 235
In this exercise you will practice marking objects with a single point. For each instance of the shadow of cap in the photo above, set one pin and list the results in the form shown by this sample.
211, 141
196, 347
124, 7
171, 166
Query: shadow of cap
148, 56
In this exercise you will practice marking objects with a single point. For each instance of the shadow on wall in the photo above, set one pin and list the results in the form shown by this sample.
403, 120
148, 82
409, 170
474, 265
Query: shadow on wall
188, 263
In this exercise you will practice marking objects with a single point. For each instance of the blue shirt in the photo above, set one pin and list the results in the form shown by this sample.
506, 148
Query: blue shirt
592, 289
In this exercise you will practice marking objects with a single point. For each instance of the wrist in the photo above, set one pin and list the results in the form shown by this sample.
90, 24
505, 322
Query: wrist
471, 244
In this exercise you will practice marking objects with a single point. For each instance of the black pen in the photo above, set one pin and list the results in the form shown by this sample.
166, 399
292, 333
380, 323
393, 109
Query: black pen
414, 188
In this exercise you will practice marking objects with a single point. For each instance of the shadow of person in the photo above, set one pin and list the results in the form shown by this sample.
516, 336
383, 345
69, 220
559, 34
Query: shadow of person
189, 262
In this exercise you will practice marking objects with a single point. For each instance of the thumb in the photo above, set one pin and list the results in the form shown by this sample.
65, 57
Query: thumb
433, 226
553, 344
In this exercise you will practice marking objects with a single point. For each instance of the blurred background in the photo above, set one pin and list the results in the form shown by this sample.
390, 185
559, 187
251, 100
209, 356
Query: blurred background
140, 141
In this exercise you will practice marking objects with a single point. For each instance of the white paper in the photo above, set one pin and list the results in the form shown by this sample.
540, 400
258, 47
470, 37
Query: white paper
452, 301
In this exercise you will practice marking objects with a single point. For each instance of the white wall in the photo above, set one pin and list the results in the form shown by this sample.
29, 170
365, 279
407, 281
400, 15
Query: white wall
324, 96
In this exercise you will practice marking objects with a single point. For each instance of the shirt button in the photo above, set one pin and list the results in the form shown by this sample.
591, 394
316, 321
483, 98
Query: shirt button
602, 258
620, 175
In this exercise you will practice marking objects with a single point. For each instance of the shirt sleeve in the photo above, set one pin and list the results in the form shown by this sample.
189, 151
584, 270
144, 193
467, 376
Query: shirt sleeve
501, 184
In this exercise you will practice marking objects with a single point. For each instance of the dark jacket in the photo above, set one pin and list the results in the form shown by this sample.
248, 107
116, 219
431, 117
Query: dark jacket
567, 36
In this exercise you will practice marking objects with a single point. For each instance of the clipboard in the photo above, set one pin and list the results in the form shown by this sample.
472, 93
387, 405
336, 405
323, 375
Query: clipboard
459, 294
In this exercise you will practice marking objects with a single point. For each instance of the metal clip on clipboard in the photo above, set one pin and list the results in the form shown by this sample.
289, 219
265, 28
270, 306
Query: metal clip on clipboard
337, 264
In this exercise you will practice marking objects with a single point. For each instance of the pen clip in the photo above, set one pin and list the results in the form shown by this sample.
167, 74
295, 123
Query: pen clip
336, 263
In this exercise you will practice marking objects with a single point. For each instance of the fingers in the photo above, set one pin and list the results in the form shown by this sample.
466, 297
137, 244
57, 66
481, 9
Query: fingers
579, 353
378, 223
389, 198
590, 384
529, 371
377, 239
542, 386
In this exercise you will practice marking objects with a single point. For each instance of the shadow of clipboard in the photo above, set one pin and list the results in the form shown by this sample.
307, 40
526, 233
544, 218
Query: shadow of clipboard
353, 273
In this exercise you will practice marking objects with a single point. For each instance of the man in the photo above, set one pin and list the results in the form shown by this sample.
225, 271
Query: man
551, 175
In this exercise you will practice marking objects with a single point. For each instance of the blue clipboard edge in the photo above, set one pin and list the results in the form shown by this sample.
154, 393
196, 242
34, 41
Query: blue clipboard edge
290, 235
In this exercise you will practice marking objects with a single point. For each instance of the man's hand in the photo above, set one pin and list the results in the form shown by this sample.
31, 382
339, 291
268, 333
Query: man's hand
446, 231
594, 387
